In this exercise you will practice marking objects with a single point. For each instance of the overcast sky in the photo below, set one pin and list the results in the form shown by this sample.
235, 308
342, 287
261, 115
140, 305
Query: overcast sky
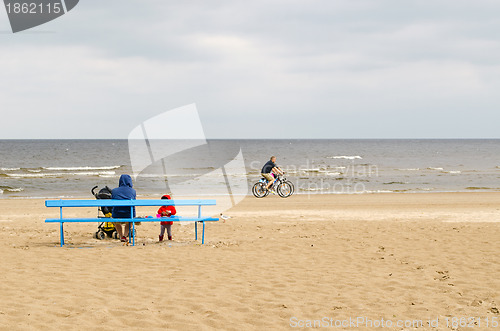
257, 69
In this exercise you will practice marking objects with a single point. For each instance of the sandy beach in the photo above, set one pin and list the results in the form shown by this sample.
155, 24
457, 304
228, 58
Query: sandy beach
276, 264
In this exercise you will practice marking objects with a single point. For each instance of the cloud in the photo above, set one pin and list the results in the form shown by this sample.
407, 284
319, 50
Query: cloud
321, 69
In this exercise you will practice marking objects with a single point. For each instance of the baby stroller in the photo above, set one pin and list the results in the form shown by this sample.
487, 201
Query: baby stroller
104, 228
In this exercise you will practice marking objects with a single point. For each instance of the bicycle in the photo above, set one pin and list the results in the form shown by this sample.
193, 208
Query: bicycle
281, 185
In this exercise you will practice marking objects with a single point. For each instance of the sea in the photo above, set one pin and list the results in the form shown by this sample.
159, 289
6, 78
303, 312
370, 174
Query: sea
71, 168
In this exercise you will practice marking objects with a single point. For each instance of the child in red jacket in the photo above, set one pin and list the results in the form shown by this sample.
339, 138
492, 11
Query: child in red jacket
166, 211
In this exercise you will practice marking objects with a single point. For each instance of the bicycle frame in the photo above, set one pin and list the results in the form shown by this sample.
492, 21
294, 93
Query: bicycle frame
276, 179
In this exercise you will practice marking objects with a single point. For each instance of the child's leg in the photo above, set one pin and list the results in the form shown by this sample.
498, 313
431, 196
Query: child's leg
162, 231
127, 229
169, 230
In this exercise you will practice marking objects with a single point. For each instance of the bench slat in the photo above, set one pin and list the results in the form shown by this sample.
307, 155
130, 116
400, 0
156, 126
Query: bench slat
125, 220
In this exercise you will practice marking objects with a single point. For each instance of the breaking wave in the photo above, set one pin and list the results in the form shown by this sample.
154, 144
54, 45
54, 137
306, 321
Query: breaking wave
62, 174
10, 189
80, 168
345, 157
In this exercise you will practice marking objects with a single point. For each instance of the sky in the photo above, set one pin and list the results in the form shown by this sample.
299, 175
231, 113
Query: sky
257, 69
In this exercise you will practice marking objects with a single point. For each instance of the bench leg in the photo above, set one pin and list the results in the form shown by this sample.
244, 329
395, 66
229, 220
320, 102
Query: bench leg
62, 234
195, 230
131, 237
62, 226
133, 233
203, 234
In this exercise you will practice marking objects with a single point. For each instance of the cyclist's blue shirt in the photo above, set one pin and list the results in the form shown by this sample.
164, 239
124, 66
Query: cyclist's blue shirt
268, 167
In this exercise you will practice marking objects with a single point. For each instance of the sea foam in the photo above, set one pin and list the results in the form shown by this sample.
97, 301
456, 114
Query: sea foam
345, 157
81, 168
62, 174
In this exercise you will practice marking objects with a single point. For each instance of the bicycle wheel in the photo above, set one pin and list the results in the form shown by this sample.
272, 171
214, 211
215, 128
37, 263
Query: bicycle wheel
259, 190
291, 186
264, 185
285, 189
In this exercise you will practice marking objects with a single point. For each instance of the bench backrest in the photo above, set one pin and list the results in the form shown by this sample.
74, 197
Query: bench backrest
128, 203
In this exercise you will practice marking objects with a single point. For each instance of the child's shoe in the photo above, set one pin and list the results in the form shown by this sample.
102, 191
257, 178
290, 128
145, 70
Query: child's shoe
169, 237
160, 238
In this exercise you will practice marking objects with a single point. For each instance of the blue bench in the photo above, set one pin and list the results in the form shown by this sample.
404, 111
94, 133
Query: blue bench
130, 203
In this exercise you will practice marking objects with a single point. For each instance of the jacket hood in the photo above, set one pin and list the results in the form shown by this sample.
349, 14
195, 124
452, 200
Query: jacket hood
166, 196
125, 180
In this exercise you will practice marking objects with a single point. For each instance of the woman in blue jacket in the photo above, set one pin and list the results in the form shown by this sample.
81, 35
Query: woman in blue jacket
124, 191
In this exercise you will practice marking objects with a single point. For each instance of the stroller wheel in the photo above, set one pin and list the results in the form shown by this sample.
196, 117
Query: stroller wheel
100, 235
115, 235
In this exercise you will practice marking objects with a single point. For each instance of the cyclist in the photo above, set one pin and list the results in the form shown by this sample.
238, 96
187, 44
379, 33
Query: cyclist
268, 168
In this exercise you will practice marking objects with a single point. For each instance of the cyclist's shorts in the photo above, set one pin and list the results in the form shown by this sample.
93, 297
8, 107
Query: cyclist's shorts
269, 177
